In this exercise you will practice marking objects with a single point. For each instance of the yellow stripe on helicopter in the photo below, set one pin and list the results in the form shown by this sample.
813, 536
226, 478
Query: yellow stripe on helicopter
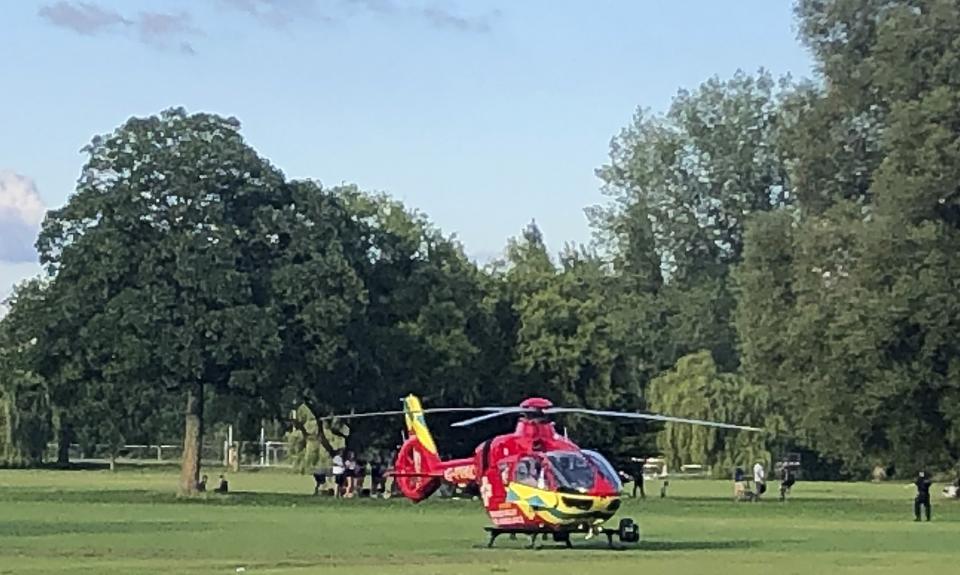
417, 424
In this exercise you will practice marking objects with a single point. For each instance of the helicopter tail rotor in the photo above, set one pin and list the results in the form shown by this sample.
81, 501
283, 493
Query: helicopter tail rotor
418, 468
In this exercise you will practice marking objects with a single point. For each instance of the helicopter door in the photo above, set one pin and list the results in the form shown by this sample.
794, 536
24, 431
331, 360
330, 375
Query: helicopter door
493, 485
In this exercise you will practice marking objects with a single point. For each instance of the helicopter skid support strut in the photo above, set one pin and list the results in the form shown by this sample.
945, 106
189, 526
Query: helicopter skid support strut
559, 536
627, 533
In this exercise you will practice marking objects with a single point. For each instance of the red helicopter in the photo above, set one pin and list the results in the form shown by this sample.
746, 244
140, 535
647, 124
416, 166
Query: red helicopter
533, 481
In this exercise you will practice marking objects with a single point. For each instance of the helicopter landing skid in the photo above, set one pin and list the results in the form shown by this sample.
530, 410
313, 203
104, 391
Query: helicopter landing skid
627, 533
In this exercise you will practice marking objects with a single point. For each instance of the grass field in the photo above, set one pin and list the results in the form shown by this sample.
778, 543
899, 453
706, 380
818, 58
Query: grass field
130, 523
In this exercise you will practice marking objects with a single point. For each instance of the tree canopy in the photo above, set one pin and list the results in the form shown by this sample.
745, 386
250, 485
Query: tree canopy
770, 252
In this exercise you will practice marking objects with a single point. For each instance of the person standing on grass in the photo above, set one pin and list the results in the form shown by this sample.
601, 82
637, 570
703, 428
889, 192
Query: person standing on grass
638, 479
786, 482
350, 471
922, 499
360, 477
337, 472
759, 479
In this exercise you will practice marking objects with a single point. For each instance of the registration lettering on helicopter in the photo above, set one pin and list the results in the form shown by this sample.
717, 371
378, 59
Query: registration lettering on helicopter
460, 474
505, 517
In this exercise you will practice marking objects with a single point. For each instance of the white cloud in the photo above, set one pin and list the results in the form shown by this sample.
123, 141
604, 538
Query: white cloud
10, 275
21, 211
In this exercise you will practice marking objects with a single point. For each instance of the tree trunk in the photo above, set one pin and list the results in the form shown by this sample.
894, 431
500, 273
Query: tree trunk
324, 440
192, 441
63, 444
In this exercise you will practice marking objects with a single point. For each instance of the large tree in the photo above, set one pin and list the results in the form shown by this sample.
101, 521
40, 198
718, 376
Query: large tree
682, 187
416, 318
852, 311
162, 257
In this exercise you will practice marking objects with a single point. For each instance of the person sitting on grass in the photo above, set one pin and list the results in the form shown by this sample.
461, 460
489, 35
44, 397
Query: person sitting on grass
953, 490
377, 478
202, 485
223, 487
319, 478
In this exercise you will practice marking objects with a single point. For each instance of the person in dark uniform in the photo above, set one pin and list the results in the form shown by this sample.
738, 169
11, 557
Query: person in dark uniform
635, 475
786, 482
378, 481
638, 480
923, 496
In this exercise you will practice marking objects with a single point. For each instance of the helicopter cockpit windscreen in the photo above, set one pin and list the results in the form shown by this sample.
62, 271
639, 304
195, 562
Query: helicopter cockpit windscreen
605, 469
572, 470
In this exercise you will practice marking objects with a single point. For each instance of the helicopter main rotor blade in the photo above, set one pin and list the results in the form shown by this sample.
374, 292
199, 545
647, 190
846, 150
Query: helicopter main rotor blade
401, 412
502, 411
649, 416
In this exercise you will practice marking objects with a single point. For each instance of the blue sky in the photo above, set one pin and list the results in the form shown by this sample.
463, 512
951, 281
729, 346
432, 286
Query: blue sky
483, 114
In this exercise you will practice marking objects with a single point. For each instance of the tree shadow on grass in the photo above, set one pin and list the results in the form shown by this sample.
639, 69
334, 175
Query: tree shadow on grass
42, 528
154, 497
663, 545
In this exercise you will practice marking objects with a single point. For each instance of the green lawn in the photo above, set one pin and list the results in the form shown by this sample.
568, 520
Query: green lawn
130, 522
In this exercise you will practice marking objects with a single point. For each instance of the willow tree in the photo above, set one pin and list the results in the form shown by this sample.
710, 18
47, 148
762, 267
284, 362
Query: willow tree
695, 389
24, 395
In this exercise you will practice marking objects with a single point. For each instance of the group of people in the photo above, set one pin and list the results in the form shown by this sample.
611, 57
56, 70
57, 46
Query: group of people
222, 487
349, 474
922, 499
635, 474
788, 478
742, 492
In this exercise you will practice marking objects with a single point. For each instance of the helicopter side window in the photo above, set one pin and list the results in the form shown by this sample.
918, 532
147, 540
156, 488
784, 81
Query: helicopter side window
504, 473
529, 471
